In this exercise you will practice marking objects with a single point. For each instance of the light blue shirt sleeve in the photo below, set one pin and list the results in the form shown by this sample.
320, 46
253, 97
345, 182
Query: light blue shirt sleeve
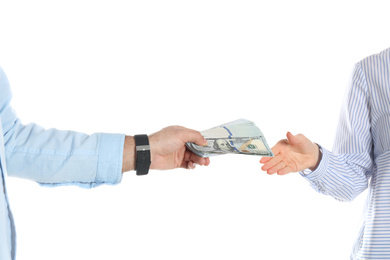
54, 157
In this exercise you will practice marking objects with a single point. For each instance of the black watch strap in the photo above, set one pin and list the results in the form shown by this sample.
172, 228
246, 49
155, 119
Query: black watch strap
142, 147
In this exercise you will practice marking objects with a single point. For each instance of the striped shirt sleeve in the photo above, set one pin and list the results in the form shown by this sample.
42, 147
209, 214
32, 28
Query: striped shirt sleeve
344, 173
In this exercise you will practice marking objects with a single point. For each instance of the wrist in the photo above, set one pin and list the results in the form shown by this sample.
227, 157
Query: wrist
142, 162
317, 157
155, 153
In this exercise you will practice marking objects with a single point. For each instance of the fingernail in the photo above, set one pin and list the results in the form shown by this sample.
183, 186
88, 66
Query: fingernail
191, 165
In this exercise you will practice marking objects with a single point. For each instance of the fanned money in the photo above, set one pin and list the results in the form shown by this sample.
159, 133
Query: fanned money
238, 137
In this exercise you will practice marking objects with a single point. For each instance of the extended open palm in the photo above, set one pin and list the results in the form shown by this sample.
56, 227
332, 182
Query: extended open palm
296, 153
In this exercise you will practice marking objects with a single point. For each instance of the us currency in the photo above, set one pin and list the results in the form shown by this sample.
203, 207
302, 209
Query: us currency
238, 137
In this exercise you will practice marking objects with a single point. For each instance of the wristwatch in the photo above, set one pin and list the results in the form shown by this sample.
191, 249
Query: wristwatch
142, 147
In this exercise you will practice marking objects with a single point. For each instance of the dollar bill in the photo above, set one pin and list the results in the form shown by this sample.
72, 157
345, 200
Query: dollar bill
238, 137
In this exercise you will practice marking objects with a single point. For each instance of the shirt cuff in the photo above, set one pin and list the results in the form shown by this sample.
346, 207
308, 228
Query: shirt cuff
109, 168
321, 169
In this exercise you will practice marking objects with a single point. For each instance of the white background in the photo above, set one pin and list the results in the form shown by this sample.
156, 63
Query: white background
137, 66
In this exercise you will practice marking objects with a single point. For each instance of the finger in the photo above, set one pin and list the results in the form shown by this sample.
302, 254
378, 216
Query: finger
276, 168
190, 160
186, 161
285, 171
275, 150
198, 160
187, 155
190, 165
271, 163
207, 161
265, 159
277, 147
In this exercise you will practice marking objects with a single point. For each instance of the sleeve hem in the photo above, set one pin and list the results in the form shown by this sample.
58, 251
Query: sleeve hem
109, 166
321, 169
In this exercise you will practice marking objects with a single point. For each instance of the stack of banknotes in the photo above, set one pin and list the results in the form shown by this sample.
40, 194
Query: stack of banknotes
238, 137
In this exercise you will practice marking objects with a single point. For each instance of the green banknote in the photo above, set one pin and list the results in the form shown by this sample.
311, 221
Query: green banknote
238, 137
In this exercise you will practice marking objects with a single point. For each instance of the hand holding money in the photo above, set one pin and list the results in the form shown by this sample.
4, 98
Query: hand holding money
168, 150
238, 137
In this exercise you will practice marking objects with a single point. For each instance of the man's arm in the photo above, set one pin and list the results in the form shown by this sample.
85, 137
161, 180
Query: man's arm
54, 157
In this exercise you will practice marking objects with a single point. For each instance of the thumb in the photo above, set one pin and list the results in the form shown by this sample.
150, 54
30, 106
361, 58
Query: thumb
196, 137
293, 139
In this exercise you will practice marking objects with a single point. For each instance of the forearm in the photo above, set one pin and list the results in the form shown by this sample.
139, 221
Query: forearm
56, 157
341, 176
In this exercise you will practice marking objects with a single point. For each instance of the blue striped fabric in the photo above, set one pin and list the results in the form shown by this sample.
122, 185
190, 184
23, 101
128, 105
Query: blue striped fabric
361, 155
